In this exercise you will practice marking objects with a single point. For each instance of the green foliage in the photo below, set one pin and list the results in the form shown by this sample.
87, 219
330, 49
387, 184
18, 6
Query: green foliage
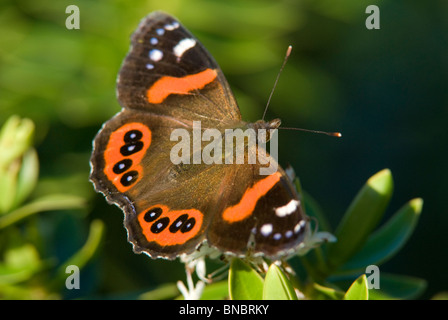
277, 286
358, 290
361, 218
28, 269
344, 259
244, 282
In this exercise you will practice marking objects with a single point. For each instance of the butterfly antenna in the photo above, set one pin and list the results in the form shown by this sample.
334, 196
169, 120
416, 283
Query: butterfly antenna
288, 53
333, 134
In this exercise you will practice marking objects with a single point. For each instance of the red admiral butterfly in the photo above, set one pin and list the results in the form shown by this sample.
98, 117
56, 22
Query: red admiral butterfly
168, 81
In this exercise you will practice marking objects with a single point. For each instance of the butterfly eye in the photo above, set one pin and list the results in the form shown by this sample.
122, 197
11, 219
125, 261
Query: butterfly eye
152, 214
132, 136
160, 225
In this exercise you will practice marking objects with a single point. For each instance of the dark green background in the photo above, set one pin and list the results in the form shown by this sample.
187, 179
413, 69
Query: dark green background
385, 90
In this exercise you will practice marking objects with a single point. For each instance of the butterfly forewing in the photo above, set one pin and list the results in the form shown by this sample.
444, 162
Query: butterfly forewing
168, 71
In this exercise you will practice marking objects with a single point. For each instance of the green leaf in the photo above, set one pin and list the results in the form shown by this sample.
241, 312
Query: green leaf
15, 138
277, 286
361, 218
216, 291
8, 183
399, 287
320, 292
51, 202
388, 240
27, 177
358, 290
244, 282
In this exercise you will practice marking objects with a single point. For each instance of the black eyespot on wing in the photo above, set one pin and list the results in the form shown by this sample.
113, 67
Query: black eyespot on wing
188, 225
122, 166
152, 214
178, 223
132, 136
131, 148
160, 225
129, 178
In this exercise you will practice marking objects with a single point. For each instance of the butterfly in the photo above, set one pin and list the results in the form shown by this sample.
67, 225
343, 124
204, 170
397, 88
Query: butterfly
168, 81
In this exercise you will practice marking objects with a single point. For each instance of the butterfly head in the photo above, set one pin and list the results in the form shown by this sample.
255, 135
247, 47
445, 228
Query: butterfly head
265, 126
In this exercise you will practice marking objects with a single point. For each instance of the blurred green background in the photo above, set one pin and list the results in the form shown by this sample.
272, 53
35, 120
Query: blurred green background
385, 90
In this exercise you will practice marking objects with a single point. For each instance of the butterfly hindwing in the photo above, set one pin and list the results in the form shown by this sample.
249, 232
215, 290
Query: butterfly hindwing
258, 214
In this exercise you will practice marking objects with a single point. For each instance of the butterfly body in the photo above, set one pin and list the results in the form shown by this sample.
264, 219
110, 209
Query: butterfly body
169, 85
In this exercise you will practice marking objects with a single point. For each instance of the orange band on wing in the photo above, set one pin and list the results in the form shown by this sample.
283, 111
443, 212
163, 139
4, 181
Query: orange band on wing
167, 85
246, 206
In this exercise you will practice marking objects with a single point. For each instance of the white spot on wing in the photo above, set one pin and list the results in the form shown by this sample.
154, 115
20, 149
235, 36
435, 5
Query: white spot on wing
172, 26
287, 209
155, 55
182, 46
266, 229
299, 226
